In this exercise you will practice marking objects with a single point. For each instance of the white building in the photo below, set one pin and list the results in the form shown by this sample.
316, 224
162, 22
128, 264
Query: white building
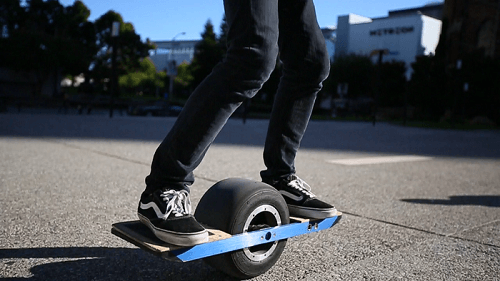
167, 51
405, 36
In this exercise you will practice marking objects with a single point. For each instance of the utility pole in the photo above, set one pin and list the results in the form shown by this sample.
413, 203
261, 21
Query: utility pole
172, 66
115, 31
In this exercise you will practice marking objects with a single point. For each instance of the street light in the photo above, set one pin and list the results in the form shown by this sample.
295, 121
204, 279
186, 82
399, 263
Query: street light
171, 66
115, 32
181, 33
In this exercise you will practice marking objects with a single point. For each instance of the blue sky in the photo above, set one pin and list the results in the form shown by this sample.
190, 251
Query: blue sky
164, 19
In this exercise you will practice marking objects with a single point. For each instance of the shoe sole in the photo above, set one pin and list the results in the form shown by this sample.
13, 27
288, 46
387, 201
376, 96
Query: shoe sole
175, 238
312, 213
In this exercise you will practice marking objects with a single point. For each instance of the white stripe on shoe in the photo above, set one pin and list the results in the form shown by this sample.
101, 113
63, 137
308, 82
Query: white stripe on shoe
159, 214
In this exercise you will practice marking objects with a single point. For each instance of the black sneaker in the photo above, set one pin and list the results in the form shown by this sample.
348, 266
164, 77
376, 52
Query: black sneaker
168, 214
300, 200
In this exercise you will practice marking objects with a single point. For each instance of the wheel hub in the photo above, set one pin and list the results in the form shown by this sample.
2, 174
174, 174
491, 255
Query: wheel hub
262, 217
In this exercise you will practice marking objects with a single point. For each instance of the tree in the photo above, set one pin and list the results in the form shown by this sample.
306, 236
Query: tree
82, 46
357, 71
427, 89
45, 38
392, 84
482, 75
145, 79
130, 48
183, 80
362, 78
11, 14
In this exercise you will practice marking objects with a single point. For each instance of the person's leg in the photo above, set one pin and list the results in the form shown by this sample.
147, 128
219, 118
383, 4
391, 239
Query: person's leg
251, 56
305, 66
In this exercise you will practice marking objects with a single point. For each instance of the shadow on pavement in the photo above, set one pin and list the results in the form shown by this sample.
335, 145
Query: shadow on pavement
101, 263
486, 200
324, 135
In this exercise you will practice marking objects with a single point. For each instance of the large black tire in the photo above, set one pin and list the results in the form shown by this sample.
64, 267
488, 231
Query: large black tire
236, 206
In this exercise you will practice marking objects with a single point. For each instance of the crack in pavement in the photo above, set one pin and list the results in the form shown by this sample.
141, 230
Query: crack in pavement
451, 235
115, 156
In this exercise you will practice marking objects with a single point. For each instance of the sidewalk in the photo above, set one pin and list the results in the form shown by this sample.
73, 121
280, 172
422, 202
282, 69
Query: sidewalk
66, 179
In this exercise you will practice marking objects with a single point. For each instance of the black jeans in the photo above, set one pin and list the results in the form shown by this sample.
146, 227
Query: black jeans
258, 30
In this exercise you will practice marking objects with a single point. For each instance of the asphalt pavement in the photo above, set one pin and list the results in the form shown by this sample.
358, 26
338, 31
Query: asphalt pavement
418, 204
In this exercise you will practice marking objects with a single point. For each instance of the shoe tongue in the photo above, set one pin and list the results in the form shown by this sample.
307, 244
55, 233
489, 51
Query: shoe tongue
291, 177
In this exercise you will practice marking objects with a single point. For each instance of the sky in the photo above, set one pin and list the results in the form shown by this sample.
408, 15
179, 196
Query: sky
162, 20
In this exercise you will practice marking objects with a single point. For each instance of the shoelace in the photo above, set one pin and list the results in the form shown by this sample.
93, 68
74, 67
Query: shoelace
178, 203
301, 186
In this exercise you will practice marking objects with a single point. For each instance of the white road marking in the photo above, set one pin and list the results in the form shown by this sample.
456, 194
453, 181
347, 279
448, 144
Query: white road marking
378, 160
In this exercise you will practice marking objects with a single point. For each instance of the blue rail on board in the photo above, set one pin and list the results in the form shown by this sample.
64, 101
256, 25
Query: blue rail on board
250, 239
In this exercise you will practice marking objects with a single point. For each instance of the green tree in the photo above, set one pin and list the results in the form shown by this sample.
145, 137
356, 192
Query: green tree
357, 71
11, 15
45, 38
130, 48
145, 79
482, 75
392, 84
80, 49
183, 80
427, 90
